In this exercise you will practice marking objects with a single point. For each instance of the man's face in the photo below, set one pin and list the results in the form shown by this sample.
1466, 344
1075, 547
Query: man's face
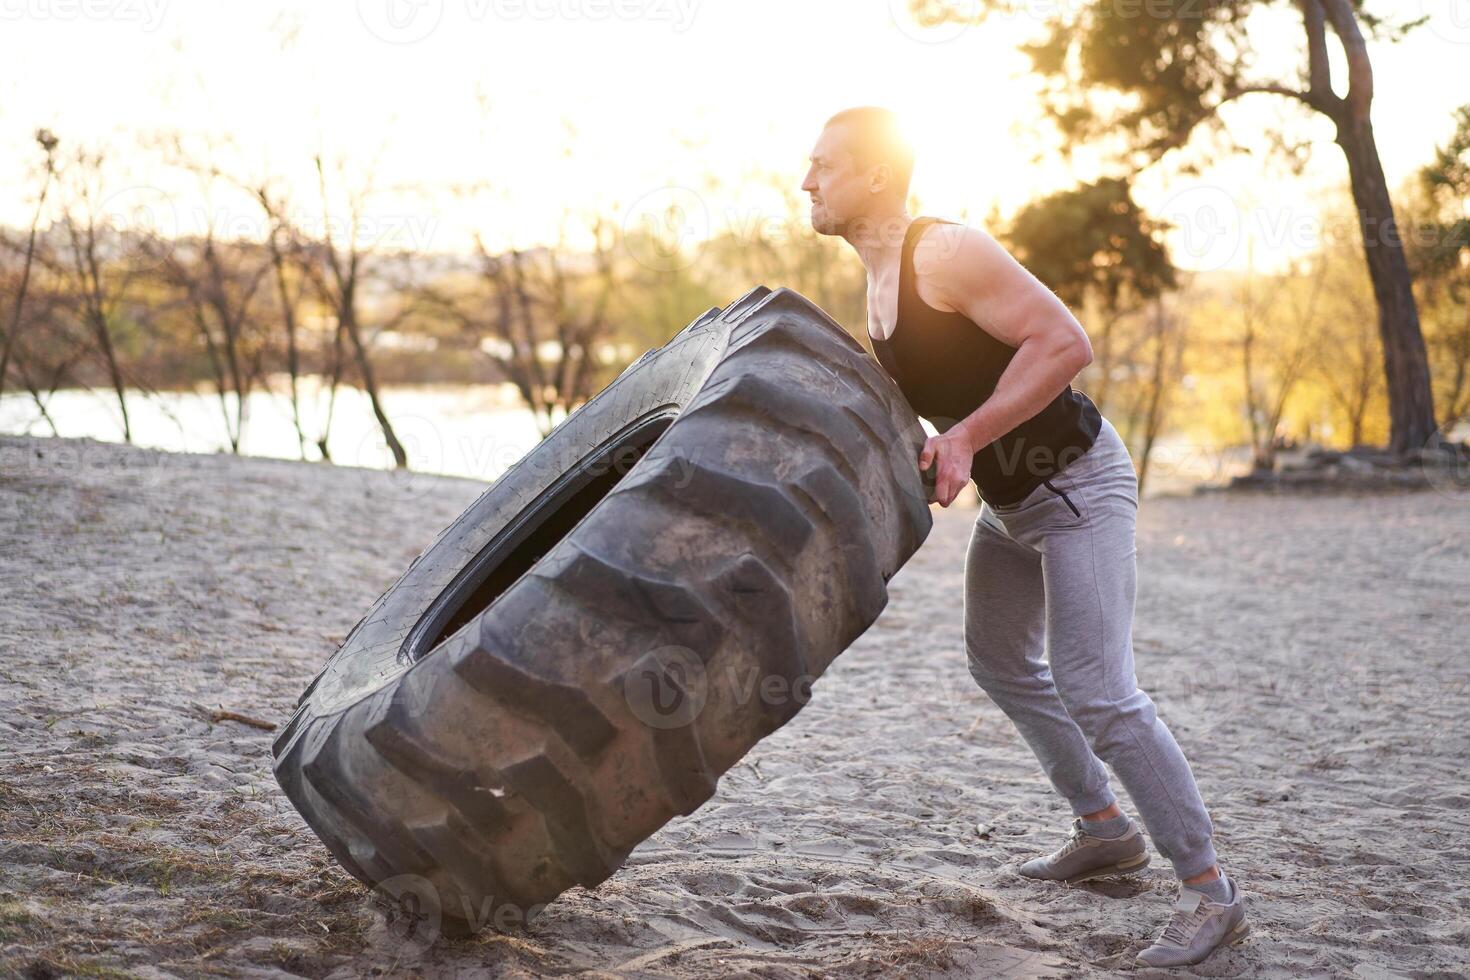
838, 191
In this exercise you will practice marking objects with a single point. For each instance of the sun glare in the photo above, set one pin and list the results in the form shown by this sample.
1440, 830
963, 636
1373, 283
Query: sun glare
570, 118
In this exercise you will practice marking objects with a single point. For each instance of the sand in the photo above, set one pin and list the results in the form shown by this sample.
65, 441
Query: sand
1311, 655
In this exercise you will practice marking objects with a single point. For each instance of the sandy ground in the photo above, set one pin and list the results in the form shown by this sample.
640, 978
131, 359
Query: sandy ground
1310, 654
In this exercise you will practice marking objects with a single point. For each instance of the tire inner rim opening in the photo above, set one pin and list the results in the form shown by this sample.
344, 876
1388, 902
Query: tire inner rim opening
534, 532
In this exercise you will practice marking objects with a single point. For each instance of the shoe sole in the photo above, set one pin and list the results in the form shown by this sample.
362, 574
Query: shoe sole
1131, 866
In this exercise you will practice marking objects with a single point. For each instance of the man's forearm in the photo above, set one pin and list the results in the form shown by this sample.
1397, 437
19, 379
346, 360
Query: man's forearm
1039, 371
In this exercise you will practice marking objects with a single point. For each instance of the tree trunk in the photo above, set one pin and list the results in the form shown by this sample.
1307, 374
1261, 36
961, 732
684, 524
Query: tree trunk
370, 385
1105, 358
16, 321
100, 330
1405, 361
1153, 417
293, 355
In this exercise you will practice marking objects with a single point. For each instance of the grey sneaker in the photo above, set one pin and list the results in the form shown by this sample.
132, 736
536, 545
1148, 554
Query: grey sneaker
1198, 928
1085, 857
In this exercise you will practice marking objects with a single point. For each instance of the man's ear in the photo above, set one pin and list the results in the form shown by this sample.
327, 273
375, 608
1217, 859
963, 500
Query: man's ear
879, 177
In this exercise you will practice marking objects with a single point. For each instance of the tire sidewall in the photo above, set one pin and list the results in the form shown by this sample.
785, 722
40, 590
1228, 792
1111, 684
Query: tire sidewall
374, 652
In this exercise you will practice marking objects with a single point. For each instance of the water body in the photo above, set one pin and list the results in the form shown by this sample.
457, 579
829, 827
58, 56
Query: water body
475, 431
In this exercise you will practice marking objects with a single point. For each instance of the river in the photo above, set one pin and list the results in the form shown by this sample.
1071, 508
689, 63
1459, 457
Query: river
475, 431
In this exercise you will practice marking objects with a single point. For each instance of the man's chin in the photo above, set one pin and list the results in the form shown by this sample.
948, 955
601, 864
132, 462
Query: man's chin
823, 224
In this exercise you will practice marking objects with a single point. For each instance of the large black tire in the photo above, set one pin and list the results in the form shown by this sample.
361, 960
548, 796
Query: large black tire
618, 619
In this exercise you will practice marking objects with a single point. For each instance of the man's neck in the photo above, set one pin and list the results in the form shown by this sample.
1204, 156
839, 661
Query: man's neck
878, 241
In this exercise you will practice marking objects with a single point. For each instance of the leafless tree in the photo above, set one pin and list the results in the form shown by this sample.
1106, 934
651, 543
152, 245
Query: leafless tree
338, 275
44, 359
100, 264
48, 143
218, 284
1168, 341
545, 316
1272, 357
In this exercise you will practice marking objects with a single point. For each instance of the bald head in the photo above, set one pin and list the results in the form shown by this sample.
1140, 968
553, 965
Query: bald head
874, 137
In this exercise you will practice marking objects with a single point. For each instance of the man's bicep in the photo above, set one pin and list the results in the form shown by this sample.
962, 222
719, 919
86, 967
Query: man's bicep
985, 282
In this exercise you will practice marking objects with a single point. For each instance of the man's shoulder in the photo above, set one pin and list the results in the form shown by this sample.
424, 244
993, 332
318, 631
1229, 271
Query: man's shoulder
948, 253
947, 243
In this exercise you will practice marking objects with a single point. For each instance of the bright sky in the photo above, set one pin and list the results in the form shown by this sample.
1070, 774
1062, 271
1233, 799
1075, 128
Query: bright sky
572, 104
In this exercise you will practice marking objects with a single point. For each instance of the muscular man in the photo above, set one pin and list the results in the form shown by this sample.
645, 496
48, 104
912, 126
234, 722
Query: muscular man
986, 352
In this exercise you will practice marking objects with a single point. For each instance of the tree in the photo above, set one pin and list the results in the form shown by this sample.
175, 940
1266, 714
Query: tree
338, 273
542, 316
48, 143
1345, 372
217, 283
1095, 248
1274, 351
1440, 257
101, 263
283, 243
1168, 340
1175, 64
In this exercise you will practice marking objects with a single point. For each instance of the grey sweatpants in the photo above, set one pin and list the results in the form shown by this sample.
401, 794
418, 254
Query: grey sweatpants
1043, 576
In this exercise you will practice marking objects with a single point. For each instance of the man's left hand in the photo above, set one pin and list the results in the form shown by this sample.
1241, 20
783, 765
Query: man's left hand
953, 454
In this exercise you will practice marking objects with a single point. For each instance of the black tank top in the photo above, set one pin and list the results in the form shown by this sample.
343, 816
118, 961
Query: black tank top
946, 366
